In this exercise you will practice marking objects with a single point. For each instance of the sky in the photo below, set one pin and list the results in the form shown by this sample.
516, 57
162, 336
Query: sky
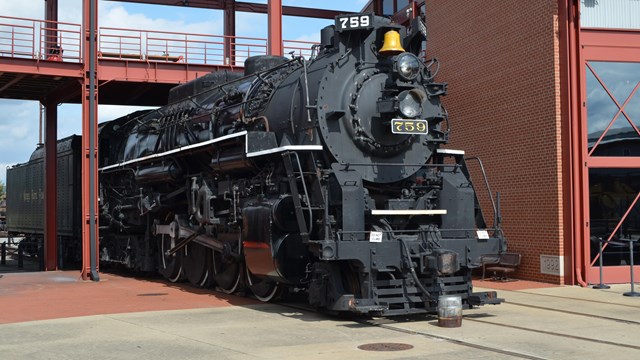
19, 120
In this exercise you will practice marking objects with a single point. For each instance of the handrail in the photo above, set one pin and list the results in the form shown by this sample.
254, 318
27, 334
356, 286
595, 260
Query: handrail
496, 210
62, 41
298, 48
176, 46
40, 39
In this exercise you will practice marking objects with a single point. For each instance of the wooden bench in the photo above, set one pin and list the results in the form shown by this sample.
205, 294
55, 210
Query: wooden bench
167, 58
116, 55
501, 264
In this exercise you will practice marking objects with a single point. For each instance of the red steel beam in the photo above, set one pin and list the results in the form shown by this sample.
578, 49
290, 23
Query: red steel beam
157, 72
290, 10
567, 117
579, 173
229, 32
50, 187
110, 69
274, 44
607, 162
89, 136
51, 14
34, 66
245, 7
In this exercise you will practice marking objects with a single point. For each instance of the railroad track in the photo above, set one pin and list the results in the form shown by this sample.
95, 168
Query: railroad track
400, 327
385, 324
576, 299
593, 316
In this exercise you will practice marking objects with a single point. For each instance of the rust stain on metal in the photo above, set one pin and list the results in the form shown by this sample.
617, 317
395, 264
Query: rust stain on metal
385, 347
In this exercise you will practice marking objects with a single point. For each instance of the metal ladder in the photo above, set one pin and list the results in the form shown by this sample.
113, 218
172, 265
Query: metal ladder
293, 176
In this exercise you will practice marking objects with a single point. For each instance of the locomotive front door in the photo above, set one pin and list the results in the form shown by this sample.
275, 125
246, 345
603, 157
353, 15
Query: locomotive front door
611, 149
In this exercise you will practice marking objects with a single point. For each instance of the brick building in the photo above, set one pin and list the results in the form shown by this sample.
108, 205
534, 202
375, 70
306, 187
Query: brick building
545, 93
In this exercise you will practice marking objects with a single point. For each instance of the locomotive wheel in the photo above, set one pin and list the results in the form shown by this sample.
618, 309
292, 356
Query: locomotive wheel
228, 271
195, 264
170, 266
211, 280
264, 289
228, 274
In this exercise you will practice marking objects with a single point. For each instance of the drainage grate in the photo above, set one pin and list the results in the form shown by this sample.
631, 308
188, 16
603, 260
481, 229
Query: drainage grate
153, 294
385, 347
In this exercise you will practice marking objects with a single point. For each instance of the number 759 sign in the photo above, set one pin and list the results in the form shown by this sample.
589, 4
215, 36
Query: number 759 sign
354, 22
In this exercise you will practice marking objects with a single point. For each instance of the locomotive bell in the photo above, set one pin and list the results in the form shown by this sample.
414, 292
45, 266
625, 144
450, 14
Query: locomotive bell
391, 45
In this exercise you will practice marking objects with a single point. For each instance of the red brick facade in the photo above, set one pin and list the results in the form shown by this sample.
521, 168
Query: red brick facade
501, 60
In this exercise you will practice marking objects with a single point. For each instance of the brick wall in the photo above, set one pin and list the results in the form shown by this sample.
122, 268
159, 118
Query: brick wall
501, 61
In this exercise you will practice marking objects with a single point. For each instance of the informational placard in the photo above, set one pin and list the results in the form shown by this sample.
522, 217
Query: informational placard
375, 236
483, 234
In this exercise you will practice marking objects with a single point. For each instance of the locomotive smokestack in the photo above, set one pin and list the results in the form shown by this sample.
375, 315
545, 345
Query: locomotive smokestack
326, 37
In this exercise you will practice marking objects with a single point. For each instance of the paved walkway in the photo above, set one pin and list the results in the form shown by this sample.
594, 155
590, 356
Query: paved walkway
124, 318
61, 294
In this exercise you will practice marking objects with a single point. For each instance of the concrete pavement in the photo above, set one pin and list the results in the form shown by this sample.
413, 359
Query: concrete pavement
535, 323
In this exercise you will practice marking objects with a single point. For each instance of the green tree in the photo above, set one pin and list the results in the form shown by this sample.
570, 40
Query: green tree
1, 190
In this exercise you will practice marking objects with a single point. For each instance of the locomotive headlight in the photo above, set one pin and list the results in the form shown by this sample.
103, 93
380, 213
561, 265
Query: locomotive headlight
408, 66
410, 103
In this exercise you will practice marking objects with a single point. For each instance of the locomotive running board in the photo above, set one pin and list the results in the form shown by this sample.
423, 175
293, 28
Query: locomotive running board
256, 149
409, 212
285, 148
175, 151
450, 152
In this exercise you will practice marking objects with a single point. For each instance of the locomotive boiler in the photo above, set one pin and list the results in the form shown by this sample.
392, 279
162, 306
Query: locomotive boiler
324, 176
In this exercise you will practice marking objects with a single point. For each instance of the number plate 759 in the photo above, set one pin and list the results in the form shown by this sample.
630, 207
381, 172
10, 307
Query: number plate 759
354, 22
404, 126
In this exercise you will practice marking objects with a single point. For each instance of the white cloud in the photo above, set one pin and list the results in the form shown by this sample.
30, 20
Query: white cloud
114, 15
19, 129
111, 112
250, 24
68, 10
24, 9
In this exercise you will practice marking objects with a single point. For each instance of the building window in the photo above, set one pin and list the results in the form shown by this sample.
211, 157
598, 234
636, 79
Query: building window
387, 7
613, 106
391, 7
611, 14
611, 196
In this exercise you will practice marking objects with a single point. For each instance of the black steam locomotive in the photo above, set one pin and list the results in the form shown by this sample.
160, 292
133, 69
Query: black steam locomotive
323, 176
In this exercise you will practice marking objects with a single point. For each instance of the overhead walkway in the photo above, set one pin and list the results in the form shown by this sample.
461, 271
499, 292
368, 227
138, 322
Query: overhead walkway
41, 59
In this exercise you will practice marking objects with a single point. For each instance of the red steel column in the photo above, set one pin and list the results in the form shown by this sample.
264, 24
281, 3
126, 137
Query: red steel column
51, 151
274, 15
230, 32
579, 193
565, 25
51, 35
90, 244
50, 187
